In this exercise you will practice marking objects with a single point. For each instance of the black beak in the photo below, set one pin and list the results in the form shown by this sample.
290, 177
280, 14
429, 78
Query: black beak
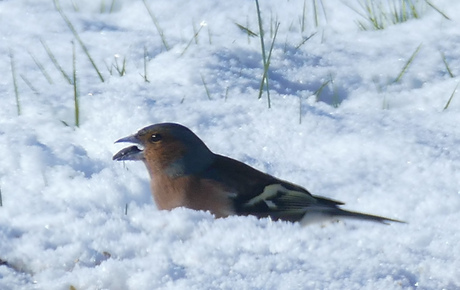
129, 153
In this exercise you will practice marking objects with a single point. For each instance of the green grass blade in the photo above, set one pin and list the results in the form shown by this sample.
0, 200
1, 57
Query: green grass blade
75, 88
194, 37
267, 66
77, 37
305, 40
315, 13
205, 86
317, 93
304, 16
226, 93
209, 35
29, 84
437, 9
146, 56
246, 30
451, 97
264, 58
446, 64
406, 66
41, 68
15, 83
55, 62
157, 25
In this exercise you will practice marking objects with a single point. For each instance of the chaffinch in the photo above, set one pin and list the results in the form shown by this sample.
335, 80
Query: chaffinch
185, 173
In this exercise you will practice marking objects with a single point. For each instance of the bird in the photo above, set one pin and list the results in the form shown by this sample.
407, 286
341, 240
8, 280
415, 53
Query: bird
184, 172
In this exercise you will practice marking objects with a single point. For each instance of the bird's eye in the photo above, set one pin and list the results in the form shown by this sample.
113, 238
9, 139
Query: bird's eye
155, 137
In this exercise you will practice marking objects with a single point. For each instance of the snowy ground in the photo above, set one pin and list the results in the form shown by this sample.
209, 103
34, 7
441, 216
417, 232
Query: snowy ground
382, 147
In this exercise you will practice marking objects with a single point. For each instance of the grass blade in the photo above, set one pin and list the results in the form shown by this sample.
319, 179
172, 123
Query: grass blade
446, 64
15, 84
145, 65
406, 66
29, 84
157, 25
75, 89
246, 30
451, 97
41, 68
77, 37
55, 62
266, 67
304, 40
265, 60
205, 86
302, 20
318, 92
436, 8
194, 37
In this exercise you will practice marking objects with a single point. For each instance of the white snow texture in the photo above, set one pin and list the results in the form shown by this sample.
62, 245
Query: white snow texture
341, 123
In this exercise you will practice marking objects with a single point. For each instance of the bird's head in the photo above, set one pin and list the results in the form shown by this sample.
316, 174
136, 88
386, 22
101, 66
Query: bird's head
167, 148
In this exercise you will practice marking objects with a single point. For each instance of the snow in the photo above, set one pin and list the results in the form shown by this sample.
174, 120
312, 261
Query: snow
72, 217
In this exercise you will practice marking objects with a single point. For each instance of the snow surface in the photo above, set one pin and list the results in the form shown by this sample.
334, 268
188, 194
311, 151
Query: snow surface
72, 217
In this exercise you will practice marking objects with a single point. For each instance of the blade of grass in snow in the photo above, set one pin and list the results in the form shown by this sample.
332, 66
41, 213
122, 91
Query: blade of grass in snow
145, 65
55, 62
23, 77
15, 84
103, 6
209, 35
195, 37
249, 32
262, 44
316, 11
75, 89
300, 109
385, 103
226, 93
317, 93
304, 40
436, 8
157, 25
446, 64
77, 37
302, 20
205, 86
379, 16
273, 23
451, 97
75, 6
41, 68
121, 70
335, 94
406, 66
266, 67
195, 31
109, 68
265, 60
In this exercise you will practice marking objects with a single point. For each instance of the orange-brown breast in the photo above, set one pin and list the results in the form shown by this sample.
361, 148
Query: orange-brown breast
193, 193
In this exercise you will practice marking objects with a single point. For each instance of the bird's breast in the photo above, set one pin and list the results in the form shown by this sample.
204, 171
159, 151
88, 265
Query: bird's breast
193, 193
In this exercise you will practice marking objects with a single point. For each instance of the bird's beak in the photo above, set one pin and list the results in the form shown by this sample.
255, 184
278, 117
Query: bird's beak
129, 153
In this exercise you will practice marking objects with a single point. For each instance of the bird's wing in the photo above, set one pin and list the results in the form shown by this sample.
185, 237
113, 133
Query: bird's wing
262, 195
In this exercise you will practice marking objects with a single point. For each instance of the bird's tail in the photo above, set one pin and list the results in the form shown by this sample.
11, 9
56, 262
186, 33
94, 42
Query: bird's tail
323, 213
